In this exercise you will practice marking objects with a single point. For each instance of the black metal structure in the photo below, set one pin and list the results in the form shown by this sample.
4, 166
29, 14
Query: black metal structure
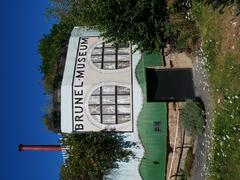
170, 84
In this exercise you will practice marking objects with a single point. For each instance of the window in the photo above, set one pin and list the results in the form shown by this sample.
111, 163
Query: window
107, 57
110, 105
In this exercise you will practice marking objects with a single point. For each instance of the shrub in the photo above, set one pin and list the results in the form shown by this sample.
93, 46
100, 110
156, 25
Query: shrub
192, 116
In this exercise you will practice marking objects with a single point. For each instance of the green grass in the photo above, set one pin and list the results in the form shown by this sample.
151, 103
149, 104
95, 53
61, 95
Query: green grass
155, 143
223, 65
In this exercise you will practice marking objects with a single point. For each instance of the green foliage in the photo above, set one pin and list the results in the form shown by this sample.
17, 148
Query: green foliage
192, 116
210, 53
143, 22
181, 43
183, 24
92, 155
50, 47
52, 121
210, 50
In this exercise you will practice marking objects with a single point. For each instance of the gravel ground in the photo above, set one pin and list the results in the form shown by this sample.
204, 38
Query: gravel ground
202, 144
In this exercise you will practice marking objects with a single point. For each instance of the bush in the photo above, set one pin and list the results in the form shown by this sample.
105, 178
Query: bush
192, 116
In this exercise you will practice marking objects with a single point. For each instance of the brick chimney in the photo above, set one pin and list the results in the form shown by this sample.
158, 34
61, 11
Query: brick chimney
52, 148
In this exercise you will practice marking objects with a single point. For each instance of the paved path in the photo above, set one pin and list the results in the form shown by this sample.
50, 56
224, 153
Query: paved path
202, 144
174, 148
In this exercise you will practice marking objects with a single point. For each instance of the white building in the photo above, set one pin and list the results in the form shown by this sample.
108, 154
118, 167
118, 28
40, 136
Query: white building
96, 90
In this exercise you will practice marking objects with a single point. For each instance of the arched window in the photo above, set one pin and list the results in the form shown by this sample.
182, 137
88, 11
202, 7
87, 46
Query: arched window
110, 104
105, 56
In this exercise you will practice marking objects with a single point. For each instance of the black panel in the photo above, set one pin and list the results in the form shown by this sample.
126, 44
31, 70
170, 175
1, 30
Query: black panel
172, 84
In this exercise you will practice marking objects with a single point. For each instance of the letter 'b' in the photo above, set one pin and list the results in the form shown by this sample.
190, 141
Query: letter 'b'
78, 127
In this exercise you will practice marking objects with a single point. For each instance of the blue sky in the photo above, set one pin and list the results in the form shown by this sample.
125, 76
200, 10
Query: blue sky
22, 97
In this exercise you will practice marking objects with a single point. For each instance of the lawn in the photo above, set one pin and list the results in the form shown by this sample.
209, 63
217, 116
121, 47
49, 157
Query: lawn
220, 37
153, 165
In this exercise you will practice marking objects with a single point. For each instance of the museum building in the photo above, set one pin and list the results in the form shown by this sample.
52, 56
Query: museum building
96, 89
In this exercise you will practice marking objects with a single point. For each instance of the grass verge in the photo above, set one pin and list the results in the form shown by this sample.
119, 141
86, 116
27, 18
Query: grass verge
220, 44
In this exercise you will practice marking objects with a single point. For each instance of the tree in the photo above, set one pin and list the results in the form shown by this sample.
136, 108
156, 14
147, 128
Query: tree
49, 48
52, 121
143, 22
92, 155
192, 116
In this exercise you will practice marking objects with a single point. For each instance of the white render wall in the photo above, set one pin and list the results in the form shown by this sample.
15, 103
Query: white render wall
93, 78
126, 171
130, 170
